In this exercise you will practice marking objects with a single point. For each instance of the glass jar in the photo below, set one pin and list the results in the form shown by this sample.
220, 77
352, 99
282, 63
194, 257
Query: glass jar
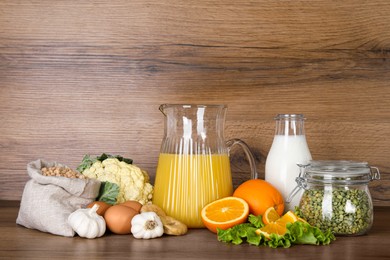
336, 196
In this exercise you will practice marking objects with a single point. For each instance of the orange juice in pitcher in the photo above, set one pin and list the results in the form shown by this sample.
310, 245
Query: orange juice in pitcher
187, 182
193, 167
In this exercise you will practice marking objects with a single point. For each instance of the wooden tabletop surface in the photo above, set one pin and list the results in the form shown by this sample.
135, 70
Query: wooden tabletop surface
17, 242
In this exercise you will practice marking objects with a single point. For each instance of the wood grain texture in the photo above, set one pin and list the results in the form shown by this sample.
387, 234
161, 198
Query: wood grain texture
88, 77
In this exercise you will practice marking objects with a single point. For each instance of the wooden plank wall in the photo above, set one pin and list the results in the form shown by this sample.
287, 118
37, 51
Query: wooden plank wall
80, 77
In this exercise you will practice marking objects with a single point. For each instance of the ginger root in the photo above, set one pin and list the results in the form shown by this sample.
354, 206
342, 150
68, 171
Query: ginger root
154, 208
171, 225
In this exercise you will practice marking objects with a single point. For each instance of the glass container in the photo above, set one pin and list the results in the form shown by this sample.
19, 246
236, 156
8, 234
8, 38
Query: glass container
194, 167
289, 148
336, 196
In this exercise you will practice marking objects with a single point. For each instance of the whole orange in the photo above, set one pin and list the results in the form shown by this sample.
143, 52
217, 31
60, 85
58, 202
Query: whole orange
260, 195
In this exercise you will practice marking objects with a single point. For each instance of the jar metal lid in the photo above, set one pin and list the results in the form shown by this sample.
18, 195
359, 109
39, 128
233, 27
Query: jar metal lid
334, 173
339, 172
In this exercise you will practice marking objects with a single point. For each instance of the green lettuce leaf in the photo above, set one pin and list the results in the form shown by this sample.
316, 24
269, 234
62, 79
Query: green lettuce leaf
256, 221
236, 234
297, 233
304, 233
108, 192
252, 238
278, 241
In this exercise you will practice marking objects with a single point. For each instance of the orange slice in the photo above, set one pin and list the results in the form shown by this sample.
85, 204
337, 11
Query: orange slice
225, 213
272, 228
288, 217
302, 220
279, 225
270, 215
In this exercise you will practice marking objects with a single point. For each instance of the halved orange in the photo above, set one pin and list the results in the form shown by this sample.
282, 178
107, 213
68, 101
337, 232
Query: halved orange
225, 213
270, 215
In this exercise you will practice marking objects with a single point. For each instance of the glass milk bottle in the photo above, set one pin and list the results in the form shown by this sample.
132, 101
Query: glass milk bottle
289, 148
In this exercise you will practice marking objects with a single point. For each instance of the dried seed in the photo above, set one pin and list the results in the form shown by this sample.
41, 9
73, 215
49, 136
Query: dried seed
61, 172
348, 212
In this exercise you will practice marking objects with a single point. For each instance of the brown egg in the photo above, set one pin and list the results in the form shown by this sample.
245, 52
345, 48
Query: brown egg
102, 207
132, 204
118, 219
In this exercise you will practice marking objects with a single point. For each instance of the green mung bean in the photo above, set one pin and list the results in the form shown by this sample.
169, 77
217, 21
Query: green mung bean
344, 211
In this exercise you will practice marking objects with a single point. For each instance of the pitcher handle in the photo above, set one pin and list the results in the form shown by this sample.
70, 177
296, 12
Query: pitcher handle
230, 143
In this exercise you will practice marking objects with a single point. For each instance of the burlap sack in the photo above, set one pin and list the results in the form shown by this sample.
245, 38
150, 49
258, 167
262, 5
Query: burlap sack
47, 201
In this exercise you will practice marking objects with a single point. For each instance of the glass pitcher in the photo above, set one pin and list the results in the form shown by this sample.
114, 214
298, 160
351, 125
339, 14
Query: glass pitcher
193, 167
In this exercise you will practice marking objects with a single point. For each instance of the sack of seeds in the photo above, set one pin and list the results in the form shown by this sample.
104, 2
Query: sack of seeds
51, 195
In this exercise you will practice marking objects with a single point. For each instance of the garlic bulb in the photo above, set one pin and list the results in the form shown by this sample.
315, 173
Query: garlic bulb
147, 225
87, 223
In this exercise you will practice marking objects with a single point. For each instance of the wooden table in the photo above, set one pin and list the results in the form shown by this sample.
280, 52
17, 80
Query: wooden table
17, 242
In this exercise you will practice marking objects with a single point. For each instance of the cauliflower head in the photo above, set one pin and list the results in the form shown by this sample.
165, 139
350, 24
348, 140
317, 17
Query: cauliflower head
134, 183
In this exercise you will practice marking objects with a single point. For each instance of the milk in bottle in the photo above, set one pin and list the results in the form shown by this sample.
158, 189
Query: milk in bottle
288, 149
